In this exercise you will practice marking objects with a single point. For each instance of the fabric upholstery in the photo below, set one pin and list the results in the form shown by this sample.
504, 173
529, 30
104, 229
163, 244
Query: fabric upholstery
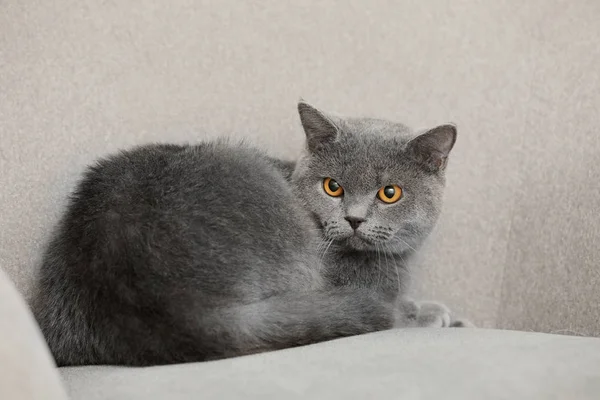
27, 371
517, 244
465, 364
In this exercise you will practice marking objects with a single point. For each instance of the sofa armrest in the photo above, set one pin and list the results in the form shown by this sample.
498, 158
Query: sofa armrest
27, 370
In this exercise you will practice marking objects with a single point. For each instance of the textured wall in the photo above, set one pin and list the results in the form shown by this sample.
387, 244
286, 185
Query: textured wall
516, 246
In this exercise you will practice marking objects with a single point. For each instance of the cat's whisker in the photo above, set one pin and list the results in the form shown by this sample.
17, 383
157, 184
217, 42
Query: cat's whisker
396, 239
385, 271
387, 264
378, 264
397, 272
325, 251
405, 243
320, 246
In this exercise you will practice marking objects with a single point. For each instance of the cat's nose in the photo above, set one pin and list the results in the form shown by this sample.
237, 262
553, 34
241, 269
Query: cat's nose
355, 222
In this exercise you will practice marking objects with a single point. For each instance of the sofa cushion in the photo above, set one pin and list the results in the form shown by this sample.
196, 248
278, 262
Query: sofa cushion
408, 364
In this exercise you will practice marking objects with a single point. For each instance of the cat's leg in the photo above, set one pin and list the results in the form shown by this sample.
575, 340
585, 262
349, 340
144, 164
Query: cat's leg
294, 319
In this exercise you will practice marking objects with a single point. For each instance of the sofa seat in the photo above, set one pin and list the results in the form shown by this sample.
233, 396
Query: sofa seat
396, 364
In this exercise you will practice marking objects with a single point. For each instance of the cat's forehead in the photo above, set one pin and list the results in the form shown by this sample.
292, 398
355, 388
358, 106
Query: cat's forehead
369, 162
367, 149
371, 142
366, 160
371, 128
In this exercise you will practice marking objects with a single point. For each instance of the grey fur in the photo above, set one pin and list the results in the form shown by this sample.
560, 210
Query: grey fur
171, 253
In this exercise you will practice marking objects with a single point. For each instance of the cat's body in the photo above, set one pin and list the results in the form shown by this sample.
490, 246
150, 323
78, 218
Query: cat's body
185, 253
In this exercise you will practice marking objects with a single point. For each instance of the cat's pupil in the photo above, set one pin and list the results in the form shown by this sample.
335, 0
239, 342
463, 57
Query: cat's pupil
333, 185
389, 191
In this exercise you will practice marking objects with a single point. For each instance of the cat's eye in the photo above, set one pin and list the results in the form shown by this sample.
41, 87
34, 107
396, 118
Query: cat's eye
390, 194
332, 188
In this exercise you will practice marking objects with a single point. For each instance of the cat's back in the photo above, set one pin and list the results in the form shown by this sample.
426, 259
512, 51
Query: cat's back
230, 182
163, 175
157, 200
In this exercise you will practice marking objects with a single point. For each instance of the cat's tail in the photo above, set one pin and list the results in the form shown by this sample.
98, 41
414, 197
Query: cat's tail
293, 319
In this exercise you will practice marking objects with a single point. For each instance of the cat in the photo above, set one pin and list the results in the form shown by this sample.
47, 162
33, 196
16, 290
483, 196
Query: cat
180, 253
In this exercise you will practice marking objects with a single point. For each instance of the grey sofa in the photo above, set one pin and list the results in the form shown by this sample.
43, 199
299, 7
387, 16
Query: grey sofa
517, 246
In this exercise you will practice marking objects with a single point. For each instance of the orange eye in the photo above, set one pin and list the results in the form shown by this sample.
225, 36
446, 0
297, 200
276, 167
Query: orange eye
332, 188
390, 194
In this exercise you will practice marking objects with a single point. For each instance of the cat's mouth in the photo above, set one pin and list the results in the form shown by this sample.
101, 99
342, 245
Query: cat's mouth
360, 241
354, 240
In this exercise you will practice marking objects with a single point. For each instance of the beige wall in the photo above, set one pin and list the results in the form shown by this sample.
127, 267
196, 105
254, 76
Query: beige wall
517, 246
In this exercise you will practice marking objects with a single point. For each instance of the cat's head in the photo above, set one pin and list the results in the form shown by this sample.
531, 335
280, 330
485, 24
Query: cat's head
371, 184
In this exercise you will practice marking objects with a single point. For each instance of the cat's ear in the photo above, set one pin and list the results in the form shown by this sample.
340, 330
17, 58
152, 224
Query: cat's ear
320, 130
432, 148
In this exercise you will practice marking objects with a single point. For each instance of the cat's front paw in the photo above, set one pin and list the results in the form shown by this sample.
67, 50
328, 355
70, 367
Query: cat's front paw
428, 314
438, 315
433, 315
422, 314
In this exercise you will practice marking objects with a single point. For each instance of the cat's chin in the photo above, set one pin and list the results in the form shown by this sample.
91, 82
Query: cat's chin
357, 243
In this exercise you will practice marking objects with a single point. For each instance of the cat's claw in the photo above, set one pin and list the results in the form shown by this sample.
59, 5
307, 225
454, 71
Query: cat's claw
462, 323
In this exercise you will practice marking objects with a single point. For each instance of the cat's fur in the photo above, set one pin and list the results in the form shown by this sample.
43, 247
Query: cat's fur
171, 253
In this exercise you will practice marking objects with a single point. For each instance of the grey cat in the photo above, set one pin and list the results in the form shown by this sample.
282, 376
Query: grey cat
181, 253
